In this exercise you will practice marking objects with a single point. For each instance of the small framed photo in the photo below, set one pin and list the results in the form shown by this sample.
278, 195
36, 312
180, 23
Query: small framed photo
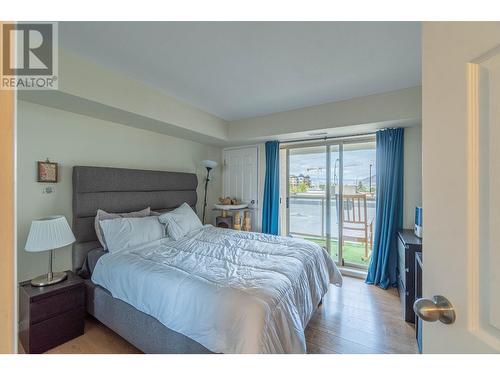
47, 171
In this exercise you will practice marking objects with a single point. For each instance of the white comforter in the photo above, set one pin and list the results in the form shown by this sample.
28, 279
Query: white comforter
233, 292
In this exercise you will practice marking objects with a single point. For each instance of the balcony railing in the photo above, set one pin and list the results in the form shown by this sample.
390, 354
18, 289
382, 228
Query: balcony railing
311, 199
307, 218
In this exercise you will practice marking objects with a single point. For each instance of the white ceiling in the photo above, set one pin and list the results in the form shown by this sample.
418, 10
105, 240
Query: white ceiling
238, 70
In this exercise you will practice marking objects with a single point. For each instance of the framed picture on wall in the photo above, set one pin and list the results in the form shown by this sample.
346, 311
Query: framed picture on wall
47, 171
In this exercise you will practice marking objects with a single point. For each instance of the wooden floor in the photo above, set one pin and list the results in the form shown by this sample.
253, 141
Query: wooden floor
360, 318
356, 318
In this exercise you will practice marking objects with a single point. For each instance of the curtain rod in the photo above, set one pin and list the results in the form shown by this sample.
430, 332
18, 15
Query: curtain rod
327, 138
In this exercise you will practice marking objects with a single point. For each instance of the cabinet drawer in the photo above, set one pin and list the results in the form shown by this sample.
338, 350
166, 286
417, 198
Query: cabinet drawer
56, 330
46, 308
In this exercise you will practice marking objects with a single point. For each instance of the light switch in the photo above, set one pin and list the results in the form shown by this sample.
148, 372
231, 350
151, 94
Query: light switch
48, 190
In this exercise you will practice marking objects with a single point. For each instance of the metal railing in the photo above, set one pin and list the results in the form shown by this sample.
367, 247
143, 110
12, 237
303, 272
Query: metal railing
322, 202
312, 197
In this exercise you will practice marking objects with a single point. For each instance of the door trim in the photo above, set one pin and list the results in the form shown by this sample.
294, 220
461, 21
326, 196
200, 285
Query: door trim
7, 227
478, 122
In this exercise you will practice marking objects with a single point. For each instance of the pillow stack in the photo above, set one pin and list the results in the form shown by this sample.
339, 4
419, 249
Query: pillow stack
119, 231
103, 215
180, 221
126, 232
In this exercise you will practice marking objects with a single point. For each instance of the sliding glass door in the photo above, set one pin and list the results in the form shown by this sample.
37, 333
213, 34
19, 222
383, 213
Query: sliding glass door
330, 197
307, 193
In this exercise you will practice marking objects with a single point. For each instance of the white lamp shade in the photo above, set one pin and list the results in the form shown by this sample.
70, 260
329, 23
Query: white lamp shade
209, 164
49, 233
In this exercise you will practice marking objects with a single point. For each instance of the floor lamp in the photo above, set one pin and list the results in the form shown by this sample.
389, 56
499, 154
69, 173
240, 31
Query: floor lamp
209, 164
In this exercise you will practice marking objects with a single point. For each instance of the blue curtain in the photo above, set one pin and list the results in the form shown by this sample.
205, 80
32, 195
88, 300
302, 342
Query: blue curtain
389, 216
270, 211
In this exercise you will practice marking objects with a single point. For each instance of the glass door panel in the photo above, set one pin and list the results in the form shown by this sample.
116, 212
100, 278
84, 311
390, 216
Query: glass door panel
358, 202
307, 175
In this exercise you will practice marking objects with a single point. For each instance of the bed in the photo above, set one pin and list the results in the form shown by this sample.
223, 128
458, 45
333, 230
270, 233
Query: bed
213, 291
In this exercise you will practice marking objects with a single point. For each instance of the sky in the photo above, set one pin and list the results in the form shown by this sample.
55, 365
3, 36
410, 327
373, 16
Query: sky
356, 165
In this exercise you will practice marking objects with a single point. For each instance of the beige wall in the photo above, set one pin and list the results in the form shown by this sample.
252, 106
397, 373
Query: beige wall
347, 117
93, 90
71, 139
412, 174
112, 88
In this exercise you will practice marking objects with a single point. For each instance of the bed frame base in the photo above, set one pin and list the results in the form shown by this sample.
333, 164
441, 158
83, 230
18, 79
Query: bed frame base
141, 330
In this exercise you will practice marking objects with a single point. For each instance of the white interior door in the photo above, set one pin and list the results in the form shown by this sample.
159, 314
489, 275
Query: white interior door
241, 176
461, 180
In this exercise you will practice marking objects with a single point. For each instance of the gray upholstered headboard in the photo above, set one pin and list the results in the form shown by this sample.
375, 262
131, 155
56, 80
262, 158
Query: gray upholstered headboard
122, 190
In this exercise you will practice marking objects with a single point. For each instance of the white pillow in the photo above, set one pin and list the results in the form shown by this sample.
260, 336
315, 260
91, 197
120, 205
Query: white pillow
103, 215
180, 221
123, 233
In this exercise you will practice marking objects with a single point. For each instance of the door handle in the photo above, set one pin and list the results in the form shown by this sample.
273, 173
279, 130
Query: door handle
439, 308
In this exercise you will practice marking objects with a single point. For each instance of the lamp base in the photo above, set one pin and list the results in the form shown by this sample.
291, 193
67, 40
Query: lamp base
43, 280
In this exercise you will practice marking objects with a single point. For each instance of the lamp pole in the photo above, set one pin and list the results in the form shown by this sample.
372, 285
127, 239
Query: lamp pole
205, 199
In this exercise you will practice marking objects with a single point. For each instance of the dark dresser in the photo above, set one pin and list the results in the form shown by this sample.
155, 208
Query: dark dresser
51, 315
408, 245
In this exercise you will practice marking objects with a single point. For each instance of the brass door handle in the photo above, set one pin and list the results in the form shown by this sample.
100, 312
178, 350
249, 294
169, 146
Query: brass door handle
439, 308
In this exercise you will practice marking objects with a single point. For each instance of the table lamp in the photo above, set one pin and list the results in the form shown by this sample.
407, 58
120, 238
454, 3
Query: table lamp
49, 233
209, 164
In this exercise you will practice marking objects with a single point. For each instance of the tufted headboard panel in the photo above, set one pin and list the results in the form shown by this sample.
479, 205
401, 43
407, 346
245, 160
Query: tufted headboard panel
122, 190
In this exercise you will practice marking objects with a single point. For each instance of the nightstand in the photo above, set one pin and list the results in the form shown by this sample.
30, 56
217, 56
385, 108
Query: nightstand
51, 315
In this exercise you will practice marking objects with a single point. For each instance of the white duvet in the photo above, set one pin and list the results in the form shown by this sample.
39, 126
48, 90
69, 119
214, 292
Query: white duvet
231, 291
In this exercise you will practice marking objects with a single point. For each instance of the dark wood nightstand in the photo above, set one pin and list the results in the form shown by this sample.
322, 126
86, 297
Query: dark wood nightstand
51, 315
